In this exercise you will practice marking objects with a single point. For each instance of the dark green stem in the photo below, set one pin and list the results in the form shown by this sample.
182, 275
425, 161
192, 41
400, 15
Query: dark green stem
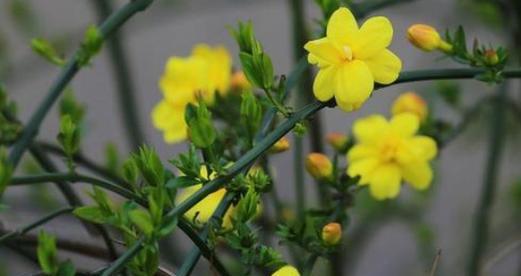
250, 156
119, 264
72, 67
194, 255
363, 9
481, 222
35, 224
124, 80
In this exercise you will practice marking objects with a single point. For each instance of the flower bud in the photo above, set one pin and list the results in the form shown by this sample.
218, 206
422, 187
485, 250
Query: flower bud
427, 38
338, 141
491, 57
239, 81
319, 166
281, 145
332, 233
412, 103
286, 270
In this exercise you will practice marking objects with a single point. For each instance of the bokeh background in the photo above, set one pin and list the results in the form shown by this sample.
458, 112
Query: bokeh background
171, 27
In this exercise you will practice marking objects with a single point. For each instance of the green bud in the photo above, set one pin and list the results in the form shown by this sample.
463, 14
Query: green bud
259, 180
6, 170
47, 51
245, 36
111, 157
201, 131
46, 252
251, 112
130, 171
91, 45
246, 209
142, 220
150, 166
69, 136
69, 105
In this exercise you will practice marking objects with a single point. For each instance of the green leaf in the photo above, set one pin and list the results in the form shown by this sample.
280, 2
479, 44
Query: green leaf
249, 69
46, 252
91, 213
47, 51
246, 209
167, 227
200, 126
6, 170
69, 136
66, 269
267, 69
142, 220
182, 181
69, 105
150, 166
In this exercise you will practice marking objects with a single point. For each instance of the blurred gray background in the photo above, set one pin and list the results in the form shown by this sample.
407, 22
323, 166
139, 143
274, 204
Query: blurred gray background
173, 27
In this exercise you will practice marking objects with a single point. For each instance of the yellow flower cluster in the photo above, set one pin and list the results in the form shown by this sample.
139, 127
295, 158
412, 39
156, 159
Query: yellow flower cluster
188, 80
387, 152
352, 59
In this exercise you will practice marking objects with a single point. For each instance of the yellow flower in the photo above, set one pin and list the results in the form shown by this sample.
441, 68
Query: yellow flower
204, 209
427, 38
389, 151
171, 120
332, 233
319, 166
351, 59
219, 65
410, 102
337, 140
286, 270
187, 80
281, 145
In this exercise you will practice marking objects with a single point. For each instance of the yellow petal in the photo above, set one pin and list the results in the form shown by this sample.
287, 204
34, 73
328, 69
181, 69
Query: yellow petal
385, 182
363, 168
419, 175
175, 135
361, 151
370, 129
322, 52
405, 124
374, 36
385, 66
354, 84
170, 119
425, 147
342, 27
203, 210
324, 84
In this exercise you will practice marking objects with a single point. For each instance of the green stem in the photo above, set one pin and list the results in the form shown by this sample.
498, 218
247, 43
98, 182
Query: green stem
481, 222
35, 224
308, 110
85, 162
119, 264
194, 255
125, 87
108, 27
74, 178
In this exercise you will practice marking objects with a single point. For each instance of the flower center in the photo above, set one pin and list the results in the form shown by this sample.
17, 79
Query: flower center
389, 149
348, 53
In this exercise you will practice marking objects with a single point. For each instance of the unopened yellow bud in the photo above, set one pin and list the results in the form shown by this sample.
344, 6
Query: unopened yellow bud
337, 140
239, 81
491, 57
412, 103
280, 146
427, 38
332, 233
319, 166
286, 270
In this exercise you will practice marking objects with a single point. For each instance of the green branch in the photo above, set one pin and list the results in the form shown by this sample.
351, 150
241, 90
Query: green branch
125, 87
194, 255
304, 113
482, 217
67, 74
35, 224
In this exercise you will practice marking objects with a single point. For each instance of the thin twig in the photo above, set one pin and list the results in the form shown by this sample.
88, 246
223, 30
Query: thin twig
434, 266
